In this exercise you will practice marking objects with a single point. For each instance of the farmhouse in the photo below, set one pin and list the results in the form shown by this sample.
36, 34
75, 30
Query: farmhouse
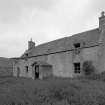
64, 57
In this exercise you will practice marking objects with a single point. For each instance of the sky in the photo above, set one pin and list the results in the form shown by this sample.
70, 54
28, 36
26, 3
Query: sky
44, 21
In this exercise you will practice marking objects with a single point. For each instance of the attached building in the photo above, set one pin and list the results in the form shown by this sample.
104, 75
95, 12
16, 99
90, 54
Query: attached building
64, 57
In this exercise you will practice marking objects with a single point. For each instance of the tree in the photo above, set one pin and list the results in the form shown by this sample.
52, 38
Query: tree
88, 68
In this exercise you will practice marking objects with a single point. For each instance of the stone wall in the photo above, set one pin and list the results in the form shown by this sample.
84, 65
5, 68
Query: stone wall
91, 54
62, 63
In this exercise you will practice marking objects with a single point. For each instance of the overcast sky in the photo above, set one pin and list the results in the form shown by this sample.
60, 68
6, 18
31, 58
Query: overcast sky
43, 21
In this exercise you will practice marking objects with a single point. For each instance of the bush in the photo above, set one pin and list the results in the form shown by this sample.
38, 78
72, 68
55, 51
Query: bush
88, 68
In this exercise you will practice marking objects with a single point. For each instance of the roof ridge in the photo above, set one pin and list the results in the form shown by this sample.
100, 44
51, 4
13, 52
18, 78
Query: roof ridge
68, 36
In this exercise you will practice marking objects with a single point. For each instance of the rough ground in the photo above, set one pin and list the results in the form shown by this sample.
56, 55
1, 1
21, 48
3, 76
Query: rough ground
52, 91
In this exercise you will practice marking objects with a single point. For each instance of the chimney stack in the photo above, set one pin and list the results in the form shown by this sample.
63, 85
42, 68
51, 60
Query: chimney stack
31, 44
102, 21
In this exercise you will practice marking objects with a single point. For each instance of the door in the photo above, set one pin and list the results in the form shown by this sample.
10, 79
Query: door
36, 71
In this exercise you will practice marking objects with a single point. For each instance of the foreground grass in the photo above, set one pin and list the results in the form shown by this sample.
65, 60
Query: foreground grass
53, 91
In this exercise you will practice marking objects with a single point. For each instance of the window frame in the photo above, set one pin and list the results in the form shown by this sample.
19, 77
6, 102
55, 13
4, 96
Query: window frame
77, 67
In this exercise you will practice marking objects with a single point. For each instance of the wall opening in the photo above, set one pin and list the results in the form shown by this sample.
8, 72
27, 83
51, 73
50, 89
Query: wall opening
77, 67
77, 48
26, 69
36, 71
26, 54
77, 45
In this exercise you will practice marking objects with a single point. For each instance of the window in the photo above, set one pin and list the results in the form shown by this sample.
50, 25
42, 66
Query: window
77, 48
77, 45
26, 69
26, 54
77, 67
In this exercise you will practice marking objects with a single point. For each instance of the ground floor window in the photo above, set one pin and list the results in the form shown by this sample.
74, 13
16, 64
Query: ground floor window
77, 67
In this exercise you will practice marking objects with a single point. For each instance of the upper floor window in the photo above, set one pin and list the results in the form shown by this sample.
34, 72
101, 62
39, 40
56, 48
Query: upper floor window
77, 45
77, 48
26, 54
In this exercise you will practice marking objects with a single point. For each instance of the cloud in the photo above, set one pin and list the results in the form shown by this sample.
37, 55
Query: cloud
43, 20
12, 10
40, 4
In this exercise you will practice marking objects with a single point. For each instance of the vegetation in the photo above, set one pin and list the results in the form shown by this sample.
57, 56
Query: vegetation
52, 91
88, 68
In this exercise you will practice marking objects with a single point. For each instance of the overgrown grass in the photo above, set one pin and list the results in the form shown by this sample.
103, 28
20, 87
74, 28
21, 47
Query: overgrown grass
15, 91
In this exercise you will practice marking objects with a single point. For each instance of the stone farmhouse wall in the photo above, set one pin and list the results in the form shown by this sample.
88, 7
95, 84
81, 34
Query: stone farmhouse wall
62, 62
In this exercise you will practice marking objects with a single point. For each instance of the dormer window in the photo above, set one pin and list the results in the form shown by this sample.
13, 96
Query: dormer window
77, 45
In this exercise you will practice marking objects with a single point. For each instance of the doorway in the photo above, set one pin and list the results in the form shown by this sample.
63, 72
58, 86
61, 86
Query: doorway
36, 71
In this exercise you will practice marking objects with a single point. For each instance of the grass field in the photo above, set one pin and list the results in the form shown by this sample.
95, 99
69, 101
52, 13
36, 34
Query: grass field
52, 91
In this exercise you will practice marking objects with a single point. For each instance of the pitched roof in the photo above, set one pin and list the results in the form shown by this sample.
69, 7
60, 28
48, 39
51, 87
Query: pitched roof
90, 38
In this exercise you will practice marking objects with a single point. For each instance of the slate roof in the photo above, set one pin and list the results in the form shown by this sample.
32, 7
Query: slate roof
89, 38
